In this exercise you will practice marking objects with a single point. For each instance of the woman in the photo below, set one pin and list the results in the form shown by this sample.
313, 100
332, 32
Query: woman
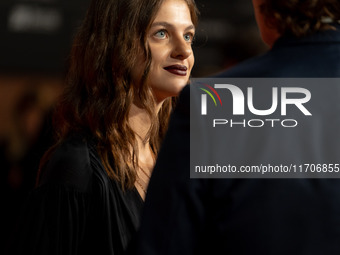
128, 60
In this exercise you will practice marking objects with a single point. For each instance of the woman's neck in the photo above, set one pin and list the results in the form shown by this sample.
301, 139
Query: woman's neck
140, 123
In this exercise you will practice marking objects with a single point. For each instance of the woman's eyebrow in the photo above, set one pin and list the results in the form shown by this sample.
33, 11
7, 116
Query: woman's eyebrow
166, 24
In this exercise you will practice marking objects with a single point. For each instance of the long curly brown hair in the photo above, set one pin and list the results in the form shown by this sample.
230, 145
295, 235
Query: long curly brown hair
99, 90
301, 17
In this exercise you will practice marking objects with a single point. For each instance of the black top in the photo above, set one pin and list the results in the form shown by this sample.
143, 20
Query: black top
77, 208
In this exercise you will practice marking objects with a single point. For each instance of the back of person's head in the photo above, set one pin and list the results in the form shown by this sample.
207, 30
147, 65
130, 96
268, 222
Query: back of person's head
301, 17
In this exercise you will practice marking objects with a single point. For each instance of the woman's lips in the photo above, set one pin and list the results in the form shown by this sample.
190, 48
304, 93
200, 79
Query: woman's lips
177, 70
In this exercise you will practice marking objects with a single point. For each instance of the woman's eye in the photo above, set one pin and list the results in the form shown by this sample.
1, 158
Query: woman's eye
188, 37
160, 34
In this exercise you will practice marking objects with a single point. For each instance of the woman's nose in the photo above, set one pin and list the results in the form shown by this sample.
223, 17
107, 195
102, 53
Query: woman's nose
181, 48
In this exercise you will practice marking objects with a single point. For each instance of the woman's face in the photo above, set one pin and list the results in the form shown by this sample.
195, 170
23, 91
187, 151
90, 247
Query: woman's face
170, 38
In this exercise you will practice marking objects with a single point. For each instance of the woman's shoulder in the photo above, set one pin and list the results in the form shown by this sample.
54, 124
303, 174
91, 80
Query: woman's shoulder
69, 164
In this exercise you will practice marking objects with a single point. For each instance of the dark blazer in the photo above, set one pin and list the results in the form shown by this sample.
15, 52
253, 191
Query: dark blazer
248, 216
313, 56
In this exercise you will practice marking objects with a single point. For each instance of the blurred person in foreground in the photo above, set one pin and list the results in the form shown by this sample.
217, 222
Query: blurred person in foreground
129, 60
256, 216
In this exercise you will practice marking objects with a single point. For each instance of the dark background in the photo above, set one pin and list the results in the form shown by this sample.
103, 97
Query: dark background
35, 39
36, 35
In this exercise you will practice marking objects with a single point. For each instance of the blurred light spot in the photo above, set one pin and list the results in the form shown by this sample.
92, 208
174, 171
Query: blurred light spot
25, 18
